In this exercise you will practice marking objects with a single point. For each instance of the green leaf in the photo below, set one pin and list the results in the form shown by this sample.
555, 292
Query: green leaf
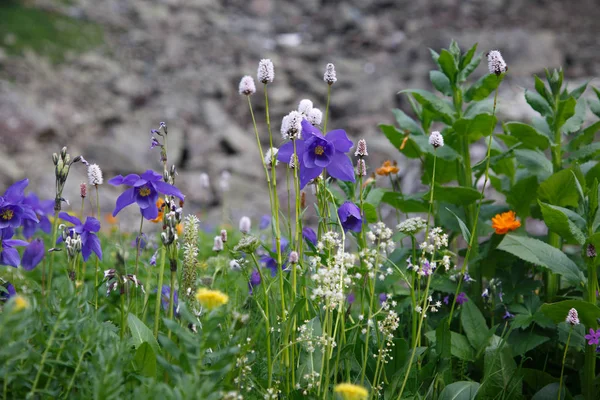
140, 333
585, 153
406, 123
461, 390
522, 342
145, 360
468, 69
521, 195
585, 137
542, 254
459, 195
588, 313
407, 204
394, 136
476, 127
467, 57
459, 345
550, 392
441, 109
370, 212
375, 195
501, 377
559, 190
474, 325
573, 124
558, 221
463, 227
537, 379
565, 110
541, 88
538, 103
443, 343
535, 162
578, 91
448, 65
528, 135
441, 82
483, 87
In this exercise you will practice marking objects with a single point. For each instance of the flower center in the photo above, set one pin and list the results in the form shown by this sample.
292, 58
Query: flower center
7, 214
144, 191
319, 150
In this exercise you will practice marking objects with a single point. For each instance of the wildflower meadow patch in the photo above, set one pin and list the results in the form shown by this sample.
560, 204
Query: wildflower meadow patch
448, 294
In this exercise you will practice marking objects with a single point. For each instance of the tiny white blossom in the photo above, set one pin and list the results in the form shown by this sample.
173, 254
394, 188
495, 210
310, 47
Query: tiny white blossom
247, 86
436, 139
315, 116
95, 175
305, 107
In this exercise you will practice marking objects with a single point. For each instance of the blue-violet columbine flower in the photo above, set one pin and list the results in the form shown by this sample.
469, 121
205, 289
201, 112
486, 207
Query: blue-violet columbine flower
12, 209
317, 152
254, 280
309, 235
269, 258
41, 208
34, 253
87, 231
350, 218
144, 191
8, 254
8, 292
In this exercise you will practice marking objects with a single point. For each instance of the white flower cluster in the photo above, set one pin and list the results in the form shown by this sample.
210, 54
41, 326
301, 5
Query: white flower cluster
271, 155
312, 380
291, 126
429, 305
496, 64
333, 279
247, 86
311, 114
306, 337
371, 259
266, 71
381, 235
411, 226
330, 77
231, 395
95, 175
436, 139
436, 240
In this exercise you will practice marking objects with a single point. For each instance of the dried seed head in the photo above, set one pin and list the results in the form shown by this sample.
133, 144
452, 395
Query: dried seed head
305, 106
361, 149
330, 75
291, 126
294, 257
266, 71
496, 64
436, 139
315, 116
361, 167
204, 181
83, 190
573, 317
247, 86
218, 244
271, 155
245, 225
95, 175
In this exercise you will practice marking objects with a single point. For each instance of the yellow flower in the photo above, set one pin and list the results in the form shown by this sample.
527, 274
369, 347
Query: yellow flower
211, 299
505, 222
348, 391
20, 303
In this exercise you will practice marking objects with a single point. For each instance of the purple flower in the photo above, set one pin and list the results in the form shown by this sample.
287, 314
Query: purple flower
461, 298
153, 258
254, 280
317, 152
349, 215
593, 337
309, 235
33, 255
265, 221
508, 315
351, 298
446, 299
382, 298
8, 254
144, 191
270, 262
165, 296
143, 242
12, 209
41, 208
8, 293
87, 231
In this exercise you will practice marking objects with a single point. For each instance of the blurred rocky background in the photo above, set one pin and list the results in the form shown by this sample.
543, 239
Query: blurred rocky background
98, 75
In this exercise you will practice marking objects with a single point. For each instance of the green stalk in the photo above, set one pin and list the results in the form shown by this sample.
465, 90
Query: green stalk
431, 195
161, 274
590, 351
45, 355
327, 108
53, 243
267, 322
75, 372
562, 369
122, 333
412, 292
97, 259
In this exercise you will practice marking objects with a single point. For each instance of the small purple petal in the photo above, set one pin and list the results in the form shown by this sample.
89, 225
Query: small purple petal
91, 224
14, 193
167, 189
125, 199
340, 140
93, 243
308, 174
149, 213
69, 218
310, 235
33, 255
151, 176
341, 168
9, 256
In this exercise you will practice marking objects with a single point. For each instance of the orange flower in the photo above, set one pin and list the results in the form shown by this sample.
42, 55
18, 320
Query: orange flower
388, 168
505, 222
110, 219
179, 229
159, 203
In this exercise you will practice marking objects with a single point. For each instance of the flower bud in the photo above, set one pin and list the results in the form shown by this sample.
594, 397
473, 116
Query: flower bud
291, 126
591, 251
95, 175
63, 152
361, 167
266, 71
330, 76
83, 190
223, 235
293, 257
55, 158
572, 317
245, 225
315, 116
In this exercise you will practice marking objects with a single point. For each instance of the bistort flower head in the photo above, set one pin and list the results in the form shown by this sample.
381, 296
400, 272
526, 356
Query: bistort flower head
505, 222
496, 64
350, 218
8, 254
305, 107
436, 139
573, 317
83, 190
247, 86
245, 225
291, 126
317, 152
211, 299
315, 116
330, 76
87, 232
349, 391
266, 71
218, 244
144, 191
361, 167
95, 175
361, 149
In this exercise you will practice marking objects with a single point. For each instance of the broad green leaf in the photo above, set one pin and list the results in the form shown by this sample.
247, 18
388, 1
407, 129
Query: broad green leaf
463, 227
414, 203
469, 67
475, 128
535, 162
442, 110
370, 212
394, 136
588, 313
558, 221
467, 57
559, 190
537, 379
460, 347
564, 111
140, 333
474, 325
584, 137
145, 360
375, 195
578, 91
483, 87
521, 195
501, 375
459, 195
542, 254
440, 82
538, 103
528, 135
443, 343
524, 341
573, 124
406, 123
448, 65
541, 88
585, 153
550, 392
461, 390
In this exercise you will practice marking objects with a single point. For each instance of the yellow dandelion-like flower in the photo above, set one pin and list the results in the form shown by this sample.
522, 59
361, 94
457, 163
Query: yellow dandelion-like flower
211, 299
348, 391
20, 303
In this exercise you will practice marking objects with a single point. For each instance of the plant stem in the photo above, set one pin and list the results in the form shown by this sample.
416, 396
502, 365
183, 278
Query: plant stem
45, 355
590, 351
97, 259
562, 369
267, 322
327, 109
53, 243
122, 335
161, 274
